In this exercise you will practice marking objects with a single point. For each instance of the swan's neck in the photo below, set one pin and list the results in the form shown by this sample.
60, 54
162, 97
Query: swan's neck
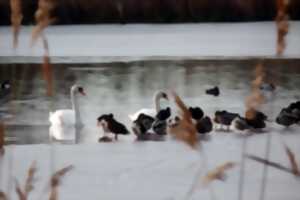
75, 108
157, 103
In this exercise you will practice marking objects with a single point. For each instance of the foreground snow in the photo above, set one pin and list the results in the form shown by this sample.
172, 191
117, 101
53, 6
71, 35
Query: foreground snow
162, 170
98, 43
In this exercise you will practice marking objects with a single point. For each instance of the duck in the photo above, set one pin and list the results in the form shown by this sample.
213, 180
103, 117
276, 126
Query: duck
64, 120
203, 123
290, 115
215, 91
225, 118
111, 125
253, 120
150, 111
145, 124
5, 89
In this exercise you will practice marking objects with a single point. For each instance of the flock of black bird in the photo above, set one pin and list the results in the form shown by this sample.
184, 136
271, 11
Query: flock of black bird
148, 128
155, 128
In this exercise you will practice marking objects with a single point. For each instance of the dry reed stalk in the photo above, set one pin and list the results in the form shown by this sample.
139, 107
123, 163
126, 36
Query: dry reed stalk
184, 130
218, 173
2, 140
23, 194
270, 163
293, 162
3, 196
282, 25
255, 99
20, 193
43, 18
16, 20
47, 68
30, 178
56, 179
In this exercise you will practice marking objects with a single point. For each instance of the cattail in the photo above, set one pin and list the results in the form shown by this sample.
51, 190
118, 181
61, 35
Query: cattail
184, 129
282, 25
43, 18
2, 136
16, 19
218, 173
55, 181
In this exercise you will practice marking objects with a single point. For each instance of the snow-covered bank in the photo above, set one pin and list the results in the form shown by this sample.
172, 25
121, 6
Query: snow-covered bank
162, 170
126, 42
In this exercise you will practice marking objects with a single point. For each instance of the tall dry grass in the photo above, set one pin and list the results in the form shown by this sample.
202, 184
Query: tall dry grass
43, 18
29, 183
16, 20
184, 130
56, 181
282, 22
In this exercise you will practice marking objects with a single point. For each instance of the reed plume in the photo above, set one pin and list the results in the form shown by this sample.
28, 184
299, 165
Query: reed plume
218, 173
43, 18
184, 129
28, 187
56, 180
282, 23
16, 20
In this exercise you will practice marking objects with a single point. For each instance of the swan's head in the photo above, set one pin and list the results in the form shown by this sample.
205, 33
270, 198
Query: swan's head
161, 95
76, 89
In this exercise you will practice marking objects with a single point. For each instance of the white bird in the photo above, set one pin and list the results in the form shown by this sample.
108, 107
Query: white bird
64, 120
150, 111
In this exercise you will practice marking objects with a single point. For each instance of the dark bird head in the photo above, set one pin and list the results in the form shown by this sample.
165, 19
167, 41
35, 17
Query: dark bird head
196, 112
5, 85
213, 91
163, 114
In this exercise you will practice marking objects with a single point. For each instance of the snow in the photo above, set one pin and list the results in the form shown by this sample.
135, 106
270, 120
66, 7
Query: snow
99, 43
154, 170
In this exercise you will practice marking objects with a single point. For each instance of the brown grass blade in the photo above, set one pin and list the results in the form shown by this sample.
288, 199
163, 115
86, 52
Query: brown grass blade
16, 19
43, 18
2, 141
185, 130
30, 178
270, 163
56, 179
20, 193
294, 164
218, 173
3, 196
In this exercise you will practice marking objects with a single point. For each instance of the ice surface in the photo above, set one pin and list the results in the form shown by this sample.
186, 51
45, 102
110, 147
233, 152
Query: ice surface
90, 43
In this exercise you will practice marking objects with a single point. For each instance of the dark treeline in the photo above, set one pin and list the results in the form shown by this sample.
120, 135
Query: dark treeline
153, 11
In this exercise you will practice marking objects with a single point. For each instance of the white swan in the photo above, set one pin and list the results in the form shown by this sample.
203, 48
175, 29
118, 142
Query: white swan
64, 120
150, 111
